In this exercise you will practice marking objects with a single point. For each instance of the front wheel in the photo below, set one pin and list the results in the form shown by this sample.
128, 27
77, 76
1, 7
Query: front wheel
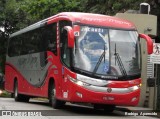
53, 100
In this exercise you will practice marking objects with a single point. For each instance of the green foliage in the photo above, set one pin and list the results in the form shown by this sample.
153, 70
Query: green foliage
41, 9
110, 7
2, 34
5, 94
2, 7
15, 15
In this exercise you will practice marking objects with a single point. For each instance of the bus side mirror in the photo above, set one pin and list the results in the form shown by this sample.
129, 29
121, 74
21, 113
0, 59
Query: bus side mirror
70, 35
149, 42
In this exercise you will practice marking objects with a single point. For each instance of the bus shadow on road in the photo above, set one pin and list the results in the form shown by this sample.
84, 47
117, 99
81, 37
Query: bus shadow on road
80, 110
88, 111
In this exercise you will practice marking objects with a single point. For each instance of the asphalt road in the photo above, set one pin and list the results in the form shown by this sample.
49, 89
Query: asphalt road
9, 109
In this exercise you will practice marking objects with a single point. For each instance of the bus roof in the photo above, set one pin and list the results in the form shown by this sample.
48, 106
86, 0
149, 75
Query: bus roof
83, 18
99, 19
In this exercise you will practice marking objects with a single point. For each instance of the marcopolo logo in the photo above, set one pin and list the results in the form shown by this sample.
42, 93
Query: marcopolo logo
109, 90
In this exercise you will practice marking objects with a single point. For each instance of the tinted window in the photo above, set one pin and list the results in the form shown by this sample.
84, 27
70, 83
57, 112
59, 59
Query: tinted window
31, 42
38, 40
14, 46
49, 36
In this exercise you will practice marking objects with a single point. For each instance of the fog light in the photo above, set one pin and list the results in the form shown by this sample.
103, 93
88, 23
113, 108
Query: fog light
134, 99
79, 94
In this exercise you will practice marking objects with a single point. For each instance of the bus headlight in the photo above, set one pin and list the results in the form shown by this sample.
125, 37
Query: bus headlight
78, 82
133, 88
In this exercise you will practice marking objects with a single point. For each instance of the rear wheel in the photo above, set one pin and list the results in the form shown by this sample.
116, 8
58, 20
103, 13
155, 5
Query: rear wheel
53, 100
16, 95
19, 97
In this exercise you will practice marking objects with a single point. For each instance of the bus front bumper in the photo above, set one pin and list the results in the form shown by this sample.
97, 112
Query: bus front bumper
77, 92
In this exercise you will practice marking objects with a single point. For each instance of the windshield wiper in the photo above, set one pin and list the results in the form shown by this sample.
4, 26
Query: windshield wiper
119, 61
99, 61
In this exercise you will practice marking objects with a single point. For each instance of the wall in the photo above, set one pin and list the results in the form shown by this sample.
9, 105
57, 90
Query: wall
146, 24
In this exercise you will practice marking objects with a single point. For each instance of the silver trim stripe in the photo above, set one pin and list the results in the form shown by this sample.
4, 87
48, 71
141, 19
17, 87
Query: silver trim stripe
113, 90
99, 85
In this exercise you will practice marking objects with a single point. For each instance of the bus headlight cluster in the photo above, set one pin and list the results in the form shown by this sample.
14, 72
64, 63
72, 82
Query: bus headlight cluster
78, 82
133, 88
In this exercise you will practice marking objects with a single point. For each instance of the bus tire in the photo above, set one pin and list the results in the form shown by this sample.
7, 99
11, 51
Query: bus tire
56, 103
16, 95
19, 97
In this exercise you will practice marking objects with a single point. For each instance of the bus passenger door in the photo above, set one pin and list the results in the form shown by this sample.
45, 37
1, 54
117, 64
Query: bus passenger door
65, 53
65, 57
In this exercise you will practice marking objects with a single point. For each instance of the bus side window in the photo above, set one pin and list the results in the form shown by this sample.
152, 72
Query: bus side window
31, 42
35, 42
24, 49
14, 46
49, 38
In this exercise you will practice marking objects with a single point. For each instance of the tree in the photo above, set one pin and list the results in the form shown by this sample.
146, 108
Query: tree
11, 19
41, 9
2, 35
111, 7
155, 10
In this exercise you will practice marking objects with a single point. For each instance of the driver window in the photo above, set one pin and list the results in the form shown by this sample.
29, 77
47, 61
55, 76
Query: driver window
65, 51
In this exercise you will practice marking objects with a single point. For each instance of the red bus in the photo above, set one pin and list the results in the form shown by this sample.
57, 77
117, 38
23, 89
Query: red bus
76, 57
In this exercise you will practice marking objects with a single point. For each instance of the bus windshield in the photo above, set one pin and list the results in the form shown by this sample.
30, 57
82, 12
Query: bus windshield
108, 52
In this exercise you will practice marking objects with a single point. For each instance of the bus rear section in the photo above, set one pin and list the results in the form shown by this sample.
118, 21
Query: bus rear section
97, 60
